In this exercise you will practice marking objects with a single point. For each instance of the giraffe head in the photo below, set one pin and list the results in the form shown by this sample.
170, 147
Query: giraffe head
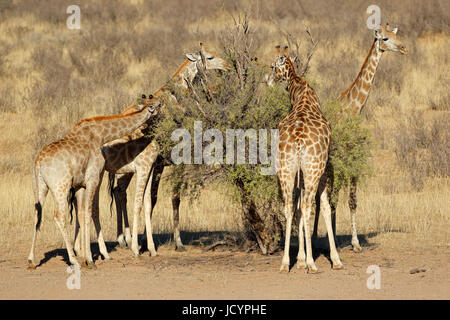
387, 40
153, 103
207, 60
280, 68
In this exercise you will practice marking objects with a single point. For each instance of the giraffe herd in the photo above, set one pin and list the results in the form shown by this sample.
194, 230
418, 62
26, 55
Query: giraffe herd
72, 168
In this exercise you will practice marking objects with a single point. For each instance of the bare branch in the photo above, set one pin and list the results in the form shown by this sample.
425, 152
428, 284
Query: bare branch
196, 97
311, 52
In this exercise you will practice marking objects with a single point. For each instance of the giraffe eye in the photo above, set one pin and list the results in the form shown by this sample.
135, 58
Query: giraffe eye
385, 39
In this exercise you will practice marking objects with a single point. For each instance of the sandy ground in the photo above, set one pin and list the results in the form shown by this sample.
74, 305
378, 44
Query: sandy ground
230, 274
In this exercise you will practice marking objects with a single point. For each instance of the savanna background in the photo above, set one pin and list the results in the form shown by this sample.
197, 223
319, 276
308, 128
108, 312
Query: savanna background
52, 77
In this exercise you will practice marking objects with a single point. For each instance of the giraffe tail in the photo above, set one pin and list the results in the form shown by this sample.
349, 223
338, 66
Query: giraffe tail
37, 205
38, 208
72, 200
111, 178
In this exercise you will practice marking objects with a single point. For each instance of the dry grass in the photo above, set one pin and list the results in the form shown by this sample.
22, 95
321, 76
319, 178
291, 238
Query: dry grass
51, 77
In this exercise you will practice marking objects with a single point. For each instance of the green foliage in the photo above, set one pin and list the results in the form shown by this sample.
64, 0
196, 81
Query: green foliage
350, 146
229, 106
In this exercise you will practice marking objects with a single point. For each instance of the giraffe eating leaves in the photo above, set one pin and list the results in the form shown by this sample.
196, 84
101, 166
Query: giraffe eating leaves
144, 164
74, 164
303, 148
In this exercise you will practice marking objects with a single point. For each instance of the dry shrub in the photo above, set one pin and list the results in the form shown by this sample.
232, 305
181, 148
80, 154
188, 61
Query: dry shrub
422, 149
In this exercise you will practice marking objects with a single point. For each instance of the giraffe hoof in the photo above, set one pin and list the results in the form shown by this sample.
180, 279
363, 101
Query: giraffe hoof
153, 254
31, 265
180, 248
301, 265
338, 266
312, 270
88, 265
357, 248
284, 268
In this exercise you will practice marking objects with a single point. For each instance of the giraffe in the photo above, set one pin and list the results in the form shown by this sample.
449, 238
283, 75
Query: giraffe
194, 63
303, 148
353, 100
134, 153
74, 165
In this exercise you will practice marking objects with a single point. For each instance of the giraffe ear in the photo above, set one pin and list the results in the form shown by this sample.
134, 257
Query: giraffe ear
286, 51
277, 49
191, 57
395, 30
377, 33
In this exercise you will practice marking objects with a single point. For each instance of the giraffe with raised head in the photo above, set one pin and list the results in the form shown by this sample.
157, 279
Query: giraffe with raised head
144, 162
74, 164
303, 148
353, 100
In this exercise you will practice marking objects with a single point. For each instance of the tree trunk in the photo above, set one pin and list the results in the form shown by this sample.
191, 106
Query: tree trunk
267, 232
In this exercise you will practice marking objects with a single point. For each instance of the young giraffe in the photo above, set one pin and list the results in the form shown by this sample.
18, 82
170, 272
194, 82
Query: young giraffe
303, 147
75, 164
133, 153
354, 99
194, 64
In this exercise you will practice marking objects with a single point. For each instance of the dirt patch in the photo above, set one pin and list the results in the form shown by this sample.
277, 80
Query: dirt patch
196, 274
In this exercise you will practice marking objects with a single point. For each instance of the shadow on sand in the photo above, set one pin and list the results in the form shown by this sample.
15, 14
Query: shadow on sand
203, 239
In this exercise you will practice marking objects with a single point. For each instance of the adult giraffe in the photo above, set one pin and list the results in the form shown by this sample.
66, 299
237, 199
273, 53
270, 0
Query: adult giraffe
353, 99
303, 148
144, 162
75, 164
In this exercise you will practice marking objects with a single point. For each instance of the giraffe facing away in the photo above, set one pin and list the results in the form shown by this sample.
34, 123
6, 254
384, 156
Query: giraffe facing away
353, 100
75, 164
303, 147
144, 163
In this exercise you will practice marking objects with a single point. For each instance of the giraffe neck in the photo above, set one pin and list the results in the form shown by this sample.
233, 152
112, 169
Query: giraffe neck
100, 130
354, 97
295, 84
187, 71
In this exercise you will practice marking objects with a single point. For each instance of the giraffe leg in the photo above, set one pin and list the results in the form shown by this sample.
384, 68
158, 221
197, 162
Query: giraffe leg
88, 198
316, 219
333, 197
141, 182
155, 177
176, 221
42, 194
98, 228
333, 224
352, 203
301, 257
120, 237
148, 209
306, 205
79, 216
326, 213
61, 211
120, 195
288, 213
